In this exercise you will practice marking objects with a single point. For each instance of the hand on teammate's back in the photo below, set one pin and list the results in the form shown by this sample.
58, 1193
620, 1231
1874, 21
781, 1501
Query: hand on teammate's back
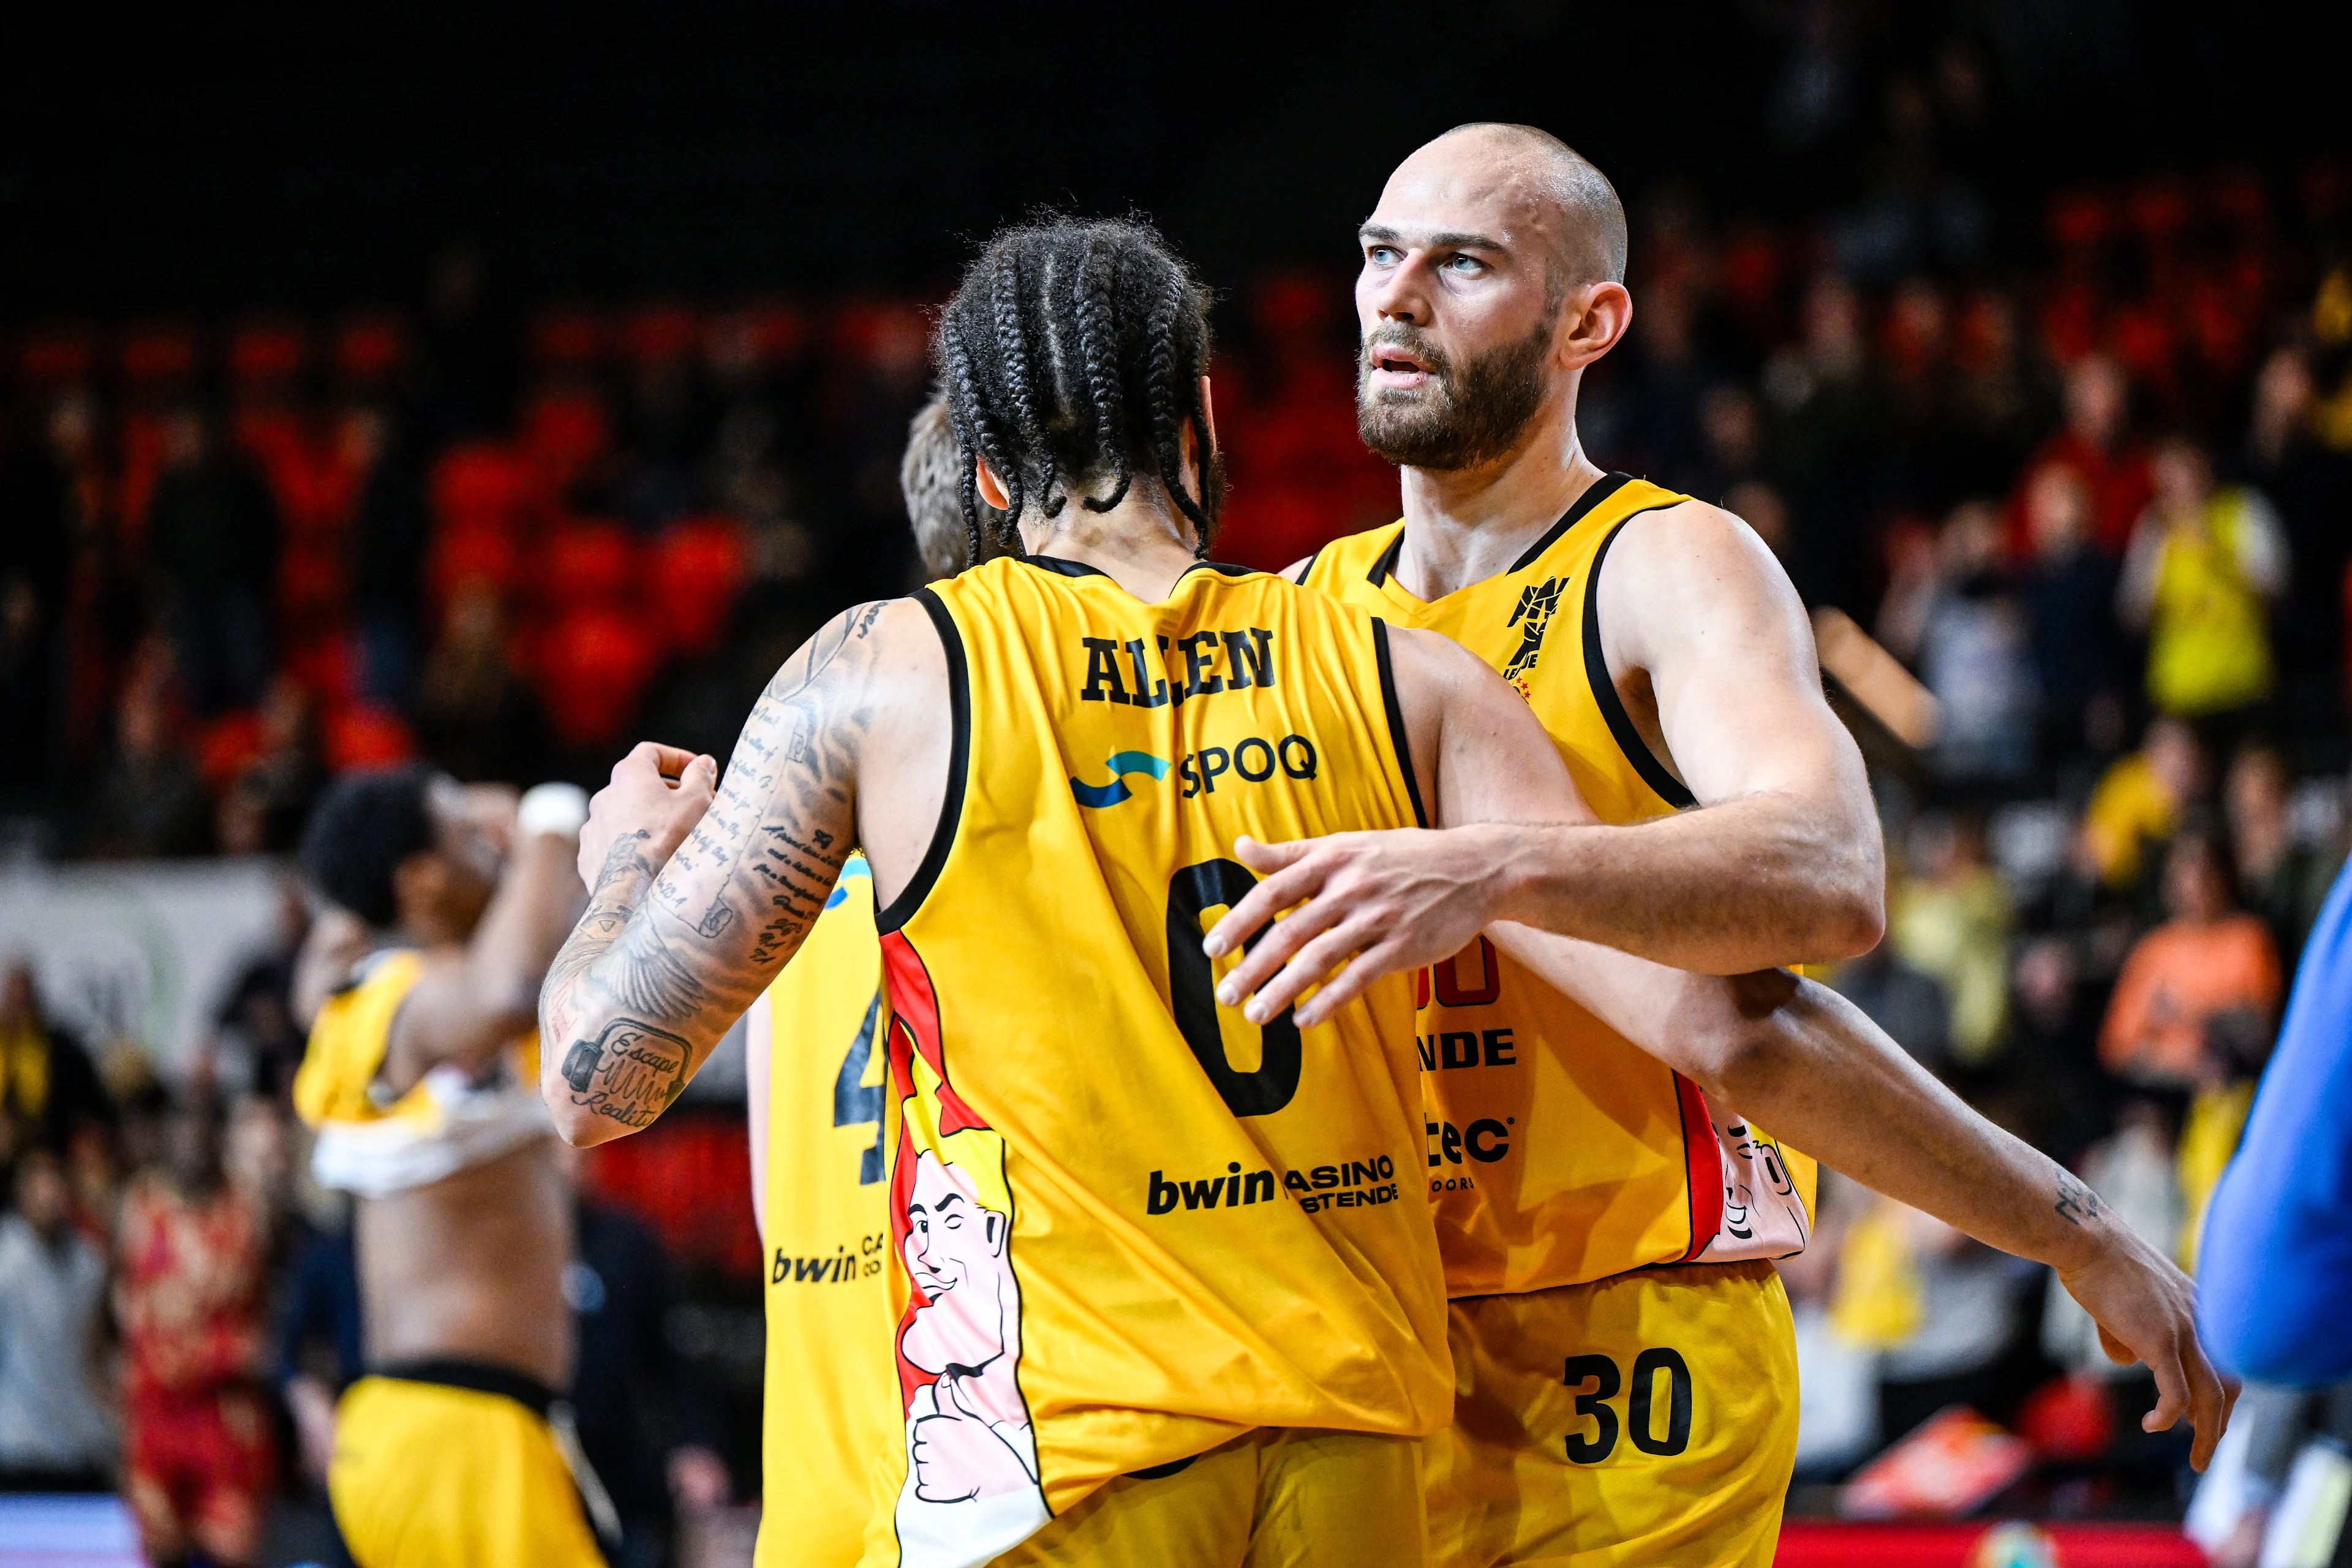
1391, 900
658, 791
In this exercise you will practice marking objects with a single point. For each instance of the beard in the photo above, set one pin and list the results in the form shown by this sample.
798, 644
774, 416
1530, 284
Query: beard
1455, 421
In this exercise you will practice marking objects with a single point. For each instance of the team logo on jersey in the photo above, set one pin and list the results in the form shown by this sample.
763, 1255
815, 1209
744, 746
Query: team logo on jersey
1120, 764
1533, 617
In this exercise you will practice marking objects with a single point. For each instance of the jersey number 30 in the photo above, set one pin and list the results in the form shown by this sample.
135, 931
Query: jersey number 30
1192, 993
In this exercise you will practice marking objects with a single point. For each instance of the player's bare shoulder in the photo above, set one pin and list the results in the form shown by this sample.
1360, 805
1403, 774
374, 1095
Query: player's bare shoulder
1691, 570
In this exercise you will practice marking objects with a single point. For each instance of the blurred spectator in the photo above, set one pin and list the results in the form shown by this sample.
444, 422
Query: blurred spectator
2203, 568
197, 1440
54, 1431
39, 511
390, 539
150, 799
319, 1341
2067, 587
2054, 1049
1824, 417
1903, 999
48, 1087
212, 544
619, 1287
2209, 960
2140, 801
269, 795
1951, 919
256, 1042
2095, 447
1958, 621
2312, 487
2281, 878
1941, 1310
477, 719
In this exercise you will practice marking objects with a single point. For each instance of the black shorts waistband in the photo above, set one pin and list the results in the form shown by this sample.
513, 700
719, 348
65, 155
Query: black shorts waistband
481, 1377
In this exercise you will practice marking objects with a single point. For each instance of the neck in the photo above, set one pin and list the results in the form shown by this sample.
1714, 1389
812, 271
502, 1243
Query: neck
1464, 525
1143, 543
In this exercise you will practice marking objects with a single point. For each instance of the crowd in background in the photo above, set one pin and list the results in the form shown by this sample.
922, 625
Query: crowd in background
2091, 485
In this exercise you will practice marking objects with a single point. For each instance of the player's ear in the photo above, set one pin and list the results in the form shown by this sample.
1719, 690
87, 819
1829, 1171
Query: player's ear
1593, 321
1209, 410
992, 487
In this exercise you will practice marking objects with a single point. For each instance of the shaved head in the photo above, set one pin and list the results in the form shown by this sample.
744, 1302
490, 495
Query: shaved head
1587, 227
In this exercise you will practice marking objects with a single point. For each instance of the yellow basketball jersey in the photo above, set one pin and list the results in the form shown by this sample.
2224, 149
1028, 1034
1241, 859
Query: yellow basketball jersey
1559, 1152
826, 1408
1133, 1224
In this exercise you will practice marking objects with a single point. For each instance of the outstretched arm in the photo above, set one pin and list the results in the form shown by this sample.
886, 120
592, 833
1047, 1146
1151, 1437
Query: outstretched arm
1798, 1058
701, 895
1793, 1054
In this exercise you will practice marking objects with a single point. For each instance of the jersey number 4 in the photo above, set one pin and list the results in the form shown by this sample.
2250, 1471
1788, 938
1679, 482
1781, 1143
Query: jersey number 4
856, 1102
1192, 993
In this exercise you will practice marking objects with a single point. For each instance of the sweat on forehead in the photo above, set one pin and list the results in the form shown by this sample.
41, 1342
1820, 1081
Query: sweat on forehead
1575, 205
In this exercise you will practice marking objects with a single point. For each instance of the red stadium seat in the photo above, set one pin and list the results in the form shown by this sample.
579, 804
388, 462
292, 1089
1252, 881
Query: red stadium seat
593, 664
699, 567
369, 348
657, 332
585, 561
480, 485
268, 354
570, 338
156, 358
358, 735
564, 430
55, 356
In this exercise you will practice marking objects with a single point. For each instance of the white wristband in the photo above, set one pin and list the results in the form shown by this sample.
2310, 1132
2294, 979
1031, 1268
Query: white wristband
558, 808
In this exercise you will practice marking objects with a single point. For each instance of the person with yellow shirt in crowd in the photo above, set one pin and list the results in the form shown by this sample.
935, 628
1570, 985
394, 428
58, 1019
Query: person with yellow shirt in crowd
2204, 566
2139, 802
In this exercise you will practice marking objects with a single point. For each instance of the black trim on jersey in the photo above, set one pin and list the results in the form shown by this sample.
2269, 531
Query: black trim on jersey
1304, 571
1387, 562
910, 897
1063, 567
1598, 490
1636, 751
1396, 717
1222, 568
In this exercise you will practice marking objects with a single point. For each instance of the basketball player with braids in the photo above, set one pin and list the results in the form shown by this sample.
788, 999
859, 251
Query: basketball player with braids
817, 1188
1170, 1292
1618, 1216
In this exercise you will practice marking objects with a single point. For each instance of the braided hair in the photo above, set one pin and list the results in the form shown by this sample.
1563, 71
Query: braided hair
1072, 357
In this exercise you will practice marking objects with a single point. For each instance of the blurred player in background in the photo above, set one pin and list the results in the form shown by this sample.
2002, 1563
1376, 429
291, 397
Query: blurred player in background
817, 1188
191, 1295
419, 988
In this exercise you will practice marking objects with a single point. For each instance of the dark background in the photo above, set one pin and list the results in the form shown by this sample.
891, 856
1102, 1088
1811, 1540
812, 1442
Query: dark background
269, 157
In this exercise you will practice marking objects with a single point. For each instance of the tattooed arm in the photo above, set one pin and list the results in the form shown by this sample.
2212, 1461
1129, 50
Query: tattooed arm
702, 893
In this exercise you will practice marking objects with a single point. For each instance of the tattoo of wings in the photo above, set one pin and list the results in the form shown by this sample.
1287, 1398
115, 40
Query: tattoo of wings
667, 956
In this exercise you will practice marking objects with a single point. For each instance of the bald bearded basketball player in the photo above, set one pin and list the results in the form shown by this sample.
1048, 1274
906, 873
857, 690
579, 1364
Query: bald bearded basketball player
1627, 1377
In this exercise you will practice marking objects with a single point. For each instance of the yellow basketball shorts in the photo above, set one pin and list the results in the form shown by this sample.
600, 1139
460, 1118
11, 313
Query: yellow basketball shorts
426, 1475
1274, 1498
1646, 1418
